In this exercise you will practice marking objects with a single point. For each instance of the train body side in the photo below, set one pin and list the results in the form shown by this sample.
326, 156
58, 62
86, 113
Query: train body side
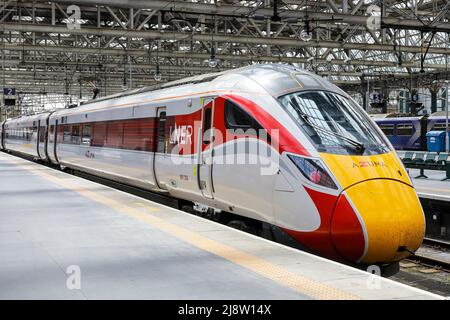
133, 142
409, 133
405, 133
436, 123
114, 143
27, 135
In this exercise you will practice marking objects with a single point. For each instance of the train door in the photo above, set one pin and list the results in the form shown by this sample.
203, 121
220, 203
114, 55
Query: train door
2, 135
206, 148
55, 143
160, 148
38, 139
42, 138
47, 133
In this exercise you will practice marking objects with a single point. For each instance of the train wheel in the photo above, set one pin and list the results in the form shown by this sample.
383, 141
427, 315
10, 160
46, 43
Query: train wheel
187, 208
390, 269
243, 226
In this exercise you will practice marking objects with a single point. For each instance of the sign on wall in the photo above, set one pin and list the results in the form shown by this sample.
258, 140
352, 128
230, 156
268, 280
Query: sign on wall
9, 91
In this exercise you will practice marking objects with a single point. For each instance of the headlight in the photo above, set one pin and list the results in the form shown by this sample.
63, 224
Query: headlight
314, 171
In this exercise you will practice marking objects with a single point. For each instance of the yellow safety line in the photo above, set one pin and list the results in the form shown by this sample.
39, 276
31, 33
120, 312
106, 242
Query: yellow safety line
311, 288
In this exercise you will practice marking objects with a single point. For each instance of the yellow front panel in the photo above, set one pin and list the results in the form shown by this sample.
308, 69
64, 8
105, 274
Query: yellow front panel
392, 216
353, 169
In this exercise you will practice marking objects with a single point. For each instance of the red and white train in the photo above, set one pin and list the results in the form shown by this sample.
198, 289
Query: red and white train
271, 143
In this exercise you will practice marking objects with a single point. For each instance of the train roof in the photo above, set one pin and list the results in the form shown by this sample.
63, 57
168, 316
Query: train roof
276, 79
438, 115
271, 79
27, 119
190, 80
398, 119
379, 115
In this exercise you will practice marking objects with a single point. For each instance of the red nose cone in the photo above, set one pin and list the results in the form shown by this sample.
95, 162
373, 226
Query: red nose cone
346, 231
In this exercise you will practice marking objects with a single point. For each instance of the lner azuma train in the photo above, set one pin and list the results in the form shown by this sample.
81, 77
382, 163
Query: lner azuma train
271, 144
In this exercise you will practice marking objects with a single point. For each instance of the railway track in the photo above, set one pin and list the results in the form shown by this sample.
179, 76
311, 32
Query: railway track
428, 269
428, 260
437, 243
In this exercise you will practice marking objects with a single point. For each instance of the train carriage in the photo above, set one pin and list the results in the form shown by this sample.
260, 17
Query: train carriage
437, 121
2, 124
405, 133
27, 135
409, 132
269, 142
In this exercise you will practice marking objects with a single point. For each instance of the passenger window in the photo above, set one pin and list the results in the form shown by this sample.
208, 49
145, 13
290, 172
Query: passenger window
86, 136
207, 126
66, 134
98, 134
236, 118
30, 134
388, 129
42, 134
404, 129
75, 139
114, 137
439, 127
51, 133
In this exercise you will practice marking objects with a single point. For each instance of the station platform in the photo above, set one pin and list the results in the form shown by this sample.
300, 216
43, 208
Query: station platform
432, 187
120, 246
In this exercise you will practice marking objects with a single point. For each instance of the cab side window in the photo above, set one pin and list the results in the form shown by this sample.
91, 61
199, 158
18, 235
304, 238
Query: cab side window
237, 118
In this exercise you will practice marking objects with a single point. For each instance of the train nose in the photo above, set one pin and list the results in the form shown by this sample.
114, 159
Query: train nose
375, 220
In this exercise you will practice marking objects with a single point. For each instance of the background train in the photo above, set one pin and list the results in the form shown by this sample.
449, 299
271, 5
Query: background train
325, 176
409, 132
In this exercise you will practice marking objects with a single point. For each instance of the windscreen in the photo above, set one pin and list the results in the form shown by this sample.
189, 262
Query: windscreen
334, 123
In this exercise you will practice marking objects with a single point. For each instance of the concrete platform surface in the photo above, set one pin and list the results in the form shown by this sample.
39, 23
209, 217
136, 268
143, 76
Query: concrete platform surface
63, 237
431, 187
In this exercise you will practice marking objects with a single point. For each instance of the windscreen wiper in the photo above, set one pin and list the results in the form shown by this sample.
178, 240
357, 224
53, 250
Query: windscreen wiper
358, 146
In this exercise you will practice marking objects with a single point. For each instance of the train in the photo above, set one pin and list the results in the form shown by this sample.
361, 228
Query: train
407, 132
264, 145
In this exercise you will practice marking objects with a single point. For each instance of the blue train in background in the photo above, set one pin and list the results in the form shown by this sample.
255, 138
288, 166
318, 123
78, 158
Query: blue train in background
409, 132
